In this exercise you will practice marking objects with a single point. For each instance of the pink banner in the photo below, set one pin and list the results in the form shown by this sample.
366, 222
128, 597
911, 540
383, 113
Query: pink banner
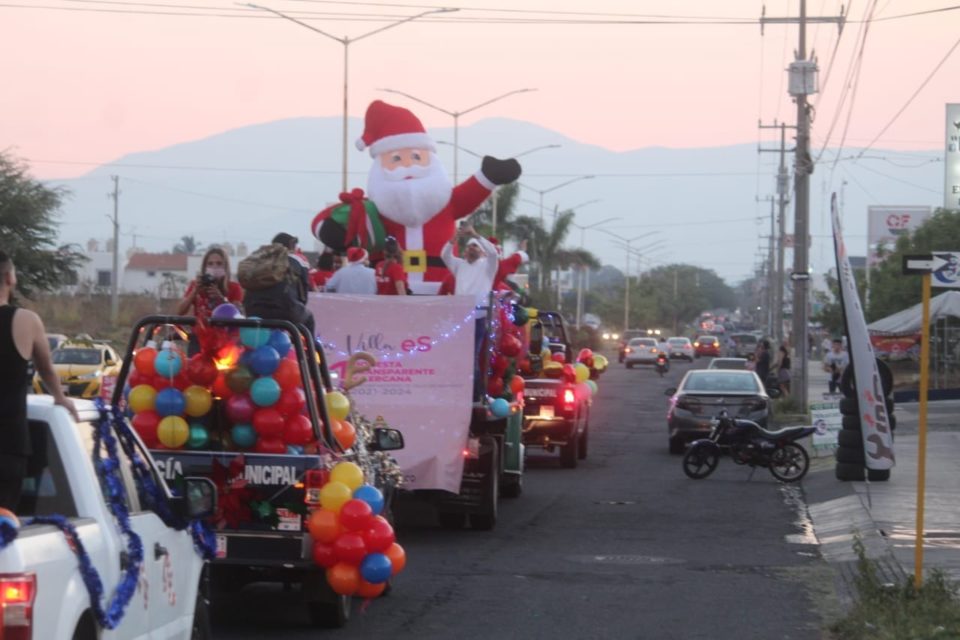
423, 381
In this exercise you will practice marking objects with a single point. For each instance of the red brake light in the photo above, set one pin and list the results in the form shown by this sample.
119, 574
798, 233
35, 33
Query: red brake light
17, 594
696, 344
569, 397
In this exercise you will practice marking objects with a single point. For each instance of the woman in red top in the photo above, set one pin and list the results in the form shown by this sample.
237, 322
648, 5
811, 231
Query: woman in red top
212, 287
391, 278
325, 269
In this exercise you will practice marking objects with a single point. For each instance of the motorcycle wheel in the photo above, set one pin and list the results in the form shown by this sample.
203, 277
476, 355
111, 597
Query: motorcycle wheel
700, 462
789, 463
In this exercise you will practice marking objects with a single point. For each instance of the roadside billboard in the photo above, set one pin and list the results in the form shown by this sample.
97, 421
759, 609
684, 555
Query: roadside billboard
951, 158
886, 223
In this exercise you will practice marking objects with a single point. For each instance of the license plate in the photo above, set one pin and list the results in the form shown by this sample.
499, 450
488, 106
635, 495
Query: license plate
221, 546
541, 393
546, 411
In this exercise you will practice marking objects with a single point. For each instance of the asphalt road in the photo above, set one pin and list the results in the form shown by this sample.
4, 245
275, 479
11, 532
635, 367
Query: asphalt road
624, 546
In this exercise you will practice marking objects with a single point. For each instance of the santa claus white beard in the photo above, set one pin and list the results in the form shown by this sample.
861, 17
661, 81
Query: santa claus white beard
410, 202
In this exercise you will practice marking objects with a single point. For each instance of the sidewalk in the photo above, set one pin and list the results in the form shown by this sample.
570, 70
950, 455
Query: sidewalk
884, 513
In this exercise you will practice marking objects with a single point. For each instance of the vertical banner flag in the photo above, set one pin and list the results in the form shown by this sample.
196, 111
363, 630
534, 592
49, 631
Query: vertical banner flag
422, 383
951, 158
874, 419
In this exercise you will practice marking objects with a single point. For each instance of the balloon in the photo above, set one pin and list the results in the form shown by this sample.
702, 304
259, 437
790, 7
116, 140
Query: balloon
520, 316
145, 423
298, 430
545, 354
600, 362
569, 373
376, 568
338, 405
202, 370
324, 525
532, 313
495, 387
143, 361
142, 397
333, 495
553, 370
240, 409
167, 363
288, 374
355, 515
220, 388
372, 496
510, 345
239, 378
398, 557
518, 385
268, 423
254, 337
370, 590
198, 436
581, 372
500, 364
264, 392
294, 450
264, 360
198, 401
173, 432
136, 378
584, 355
323, 554
181, 381
584, 391
500, 408
593, 387
292, 400
343, 578
243, 435
280, 341
345, 433
349, 474
226, 311
379, 535
9, 517
270, 445
559, 356
170, 402
350, 547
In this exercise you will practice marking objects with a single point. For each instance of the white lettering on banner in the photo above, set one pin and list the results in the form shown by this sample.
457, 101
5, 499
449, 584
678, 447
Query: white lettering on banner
270, 474
169, 468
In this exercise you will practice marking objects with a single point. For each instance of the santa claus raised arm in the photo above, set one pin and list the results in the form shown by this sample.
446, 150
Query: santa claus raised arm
413, 198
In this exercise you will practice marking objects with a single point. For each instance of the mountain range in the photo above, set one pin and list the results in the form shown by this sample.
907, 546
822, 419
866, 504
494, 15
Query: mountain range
246, 184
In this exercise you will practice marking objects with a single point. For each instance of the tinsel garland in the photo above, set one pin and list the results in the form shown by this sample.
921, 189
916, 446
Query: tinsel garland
8, 533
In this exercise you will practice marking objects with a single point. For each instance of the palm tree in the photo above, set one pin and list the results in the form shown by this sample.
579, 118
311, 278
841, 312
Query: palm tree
507, 197
187, 245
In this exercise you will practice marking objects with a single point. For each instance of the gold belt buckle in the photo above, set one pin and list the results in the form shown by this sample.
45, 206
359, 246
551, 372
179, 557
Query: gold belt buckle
415, 261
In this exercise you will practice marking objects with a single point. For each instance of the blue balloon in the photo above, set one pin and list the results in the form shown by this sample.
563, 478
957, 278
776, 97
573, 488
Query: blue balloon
265, 392
168, 363
264, 360
372, 496
243, 435
376, 568
294, 450
500, 408
170, 402
280, 341
254, 337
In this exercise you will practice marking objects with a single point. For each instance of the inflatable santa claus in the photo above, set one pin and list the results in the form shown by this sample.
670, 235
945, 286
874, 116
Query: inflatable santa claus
409, 196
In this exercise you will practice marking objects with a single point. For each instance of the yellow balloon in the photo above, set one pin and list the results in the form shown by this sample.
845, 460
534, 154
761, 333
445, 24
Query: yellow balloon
198, 401
333, 495
583, 372
532, 313
348, 473
552, 369
142, 397
546, 355
600, 362
173, 432
338, 405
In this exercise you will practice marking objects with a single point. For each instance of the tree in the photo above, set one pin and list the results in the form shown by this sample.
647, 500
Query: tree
830, 313
187, 245
507, 197
28, 231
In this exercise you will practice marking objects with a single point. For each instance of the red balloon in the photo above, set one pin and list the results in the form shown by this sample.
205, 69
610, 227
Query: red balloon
182, 381
350, 548
569, 373
369, 589
240, 409
379, 535
270, 445
220, 388
495, 387
160, 383
202, 370
510, 345
559, 357
291, 402
398, 557
136, 379
324, 554
584, 355
500, 364
298, 430
143, 360
145, 423
355, 515
287, 374
517, 385
268, 423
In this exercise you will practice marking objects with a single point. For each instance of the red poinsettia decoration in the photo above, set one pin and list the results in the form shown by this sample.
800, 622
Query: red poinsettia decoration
233, 495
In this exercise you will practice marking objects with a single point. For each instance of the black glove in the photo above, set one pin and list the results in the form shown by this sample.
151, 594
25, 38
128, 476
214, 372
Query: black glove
500, 171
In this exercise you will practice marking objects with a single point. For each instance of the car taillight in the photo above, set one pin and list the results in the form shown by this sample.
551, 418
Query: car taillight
569, 400
314, 481
688, 405
17, 593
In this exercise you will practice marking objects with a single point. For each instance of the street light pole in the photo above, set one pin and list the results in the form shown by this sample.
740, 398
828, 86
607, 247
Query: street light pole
554, 188
456, 118
346, 41
583, 231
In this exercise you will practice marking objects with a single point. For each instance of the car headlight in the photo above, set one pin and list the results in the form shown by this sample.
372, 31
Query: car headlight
93, 375
615, 336
606, 336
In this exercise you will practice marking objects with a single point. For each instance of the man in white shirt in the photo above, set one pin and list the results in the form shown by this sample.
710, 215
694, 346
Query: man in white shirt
355, 277
476, 270
834, 363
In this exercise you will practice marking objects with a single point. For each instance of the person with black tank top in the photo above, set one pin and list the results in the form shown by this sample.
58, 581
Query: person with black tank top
22, 338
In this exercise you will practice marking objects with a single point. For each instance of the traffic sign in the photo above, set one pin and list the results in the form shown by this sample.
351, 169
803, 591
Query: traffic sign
799, 276
925, 263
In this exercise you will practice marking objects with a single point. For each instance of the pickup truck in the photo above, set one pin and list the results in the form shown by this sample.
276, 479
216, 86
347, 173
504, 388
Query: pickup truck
266, 495
42, 592
555, 414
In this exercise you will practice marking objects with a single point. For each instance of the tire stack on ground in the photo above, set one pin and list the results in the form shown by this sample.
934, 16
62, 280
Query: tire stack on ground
851, 458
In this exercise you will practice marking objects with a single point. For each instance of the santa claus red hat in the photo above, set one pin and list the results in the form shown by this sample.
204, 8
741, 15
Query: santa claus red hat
388, 128
356, 254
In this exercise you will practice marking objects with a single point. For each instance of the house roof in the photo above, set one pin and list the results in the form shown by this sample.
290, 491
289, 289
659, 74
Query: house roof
158, 262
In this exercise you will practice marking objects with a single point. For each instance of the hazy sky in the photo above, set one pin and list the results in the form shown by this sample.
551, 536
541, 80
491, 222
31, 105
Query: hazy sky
87, 81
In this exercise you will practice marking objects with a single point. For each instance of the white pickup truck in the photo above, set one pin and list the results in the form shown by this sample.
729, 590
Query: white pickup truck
42, 593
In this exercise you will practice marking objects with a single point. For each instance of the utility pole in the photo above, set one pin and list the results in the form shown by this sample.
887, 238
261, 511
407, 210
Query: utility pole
783, 186
114, 290
802, 82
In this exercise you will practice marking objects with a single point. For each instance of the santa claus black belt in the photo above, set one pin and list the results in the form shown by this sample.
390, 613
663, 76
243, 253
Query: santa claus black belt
418, 261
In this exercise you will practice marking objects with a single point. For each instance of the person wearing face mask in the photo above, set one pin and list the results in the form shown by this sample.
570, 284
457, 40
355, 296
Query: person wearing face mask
212, 287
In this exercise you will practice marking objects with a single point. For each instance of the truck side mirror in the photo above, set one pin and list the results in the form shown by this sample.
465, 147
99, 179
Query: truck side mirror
670, 391
201, 498
385, 439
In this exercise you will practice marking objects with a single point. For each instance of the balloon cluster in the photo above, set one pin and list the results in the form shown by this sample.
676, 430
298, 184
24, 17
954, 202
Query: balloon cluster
351, 538
338, 408
504, 386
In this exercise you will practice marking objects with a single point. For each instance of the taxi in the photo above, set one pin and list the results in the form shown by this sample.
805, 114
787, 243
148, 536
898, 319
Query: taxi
81, 367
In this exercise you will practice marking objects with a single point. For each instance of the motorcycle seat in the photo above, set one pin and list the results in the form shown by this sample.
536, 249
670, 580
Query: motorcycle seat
794, 432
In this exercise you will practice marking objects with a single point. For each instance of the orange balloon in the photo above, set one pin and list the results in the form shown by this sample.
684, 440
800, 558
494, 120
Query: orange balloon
344, 578
287, 374
324, 525
344, 432
517, 385
370, 590
398, 557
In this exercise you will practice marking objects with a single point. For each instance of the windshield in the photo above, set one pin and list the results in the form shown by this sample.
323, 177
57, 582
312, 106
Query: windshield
729, 363
643, 342
717, 381
678, 341
745, 339
76, 356
707, 340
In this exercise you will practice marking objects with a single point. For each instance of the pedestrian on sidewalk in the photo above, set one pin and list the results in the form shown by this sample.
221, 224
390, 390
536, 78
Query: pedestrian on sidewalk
783, 371
763, 361
834, 363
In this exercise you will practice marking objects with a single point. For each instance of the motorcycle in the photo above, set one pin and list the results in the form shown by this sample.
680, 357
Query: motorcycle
663, 364
748, 443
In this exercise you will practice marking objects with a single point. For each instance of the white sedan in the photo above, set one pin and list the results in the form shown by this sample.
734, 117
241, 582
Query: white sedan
680, 348
640, 351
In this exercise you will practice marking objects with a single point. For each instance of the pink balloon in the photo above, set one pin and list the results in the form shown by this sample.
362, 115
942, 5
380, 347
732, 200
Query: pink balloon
240, 409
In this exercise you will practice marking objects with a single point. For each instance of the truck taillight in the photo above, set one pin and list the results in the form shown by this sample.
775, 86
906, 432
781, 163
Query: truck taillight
313, 482
17, 593
569, 399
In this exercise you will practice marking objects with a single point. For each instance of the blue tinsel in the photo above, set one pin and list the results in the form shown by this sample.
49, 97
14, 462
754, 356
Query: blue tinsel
8, 533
